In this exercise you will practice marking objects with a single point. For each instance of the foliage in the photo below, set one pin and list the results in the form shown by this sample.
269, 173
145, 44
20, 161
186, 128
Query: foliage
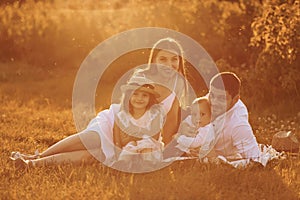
275, 33
256, 39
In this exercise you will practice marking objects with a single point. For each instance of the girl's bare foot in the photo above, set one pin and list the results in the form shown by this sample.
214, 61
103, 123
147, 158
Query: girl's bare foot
22, 164
16, 154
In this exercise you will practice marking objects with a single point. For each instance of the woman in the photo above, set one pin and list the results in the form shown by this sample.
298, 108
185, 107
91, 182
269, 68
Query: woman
166, 68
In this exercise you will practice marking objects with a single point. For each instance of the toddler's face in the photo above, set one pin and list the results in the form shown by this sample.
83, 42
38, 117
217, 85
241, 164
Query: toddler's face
201, 114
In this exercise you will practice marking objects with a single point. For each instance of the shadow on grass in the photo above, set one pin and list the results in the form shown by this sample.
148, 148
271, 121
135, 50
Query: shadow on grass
194, 180
181, 180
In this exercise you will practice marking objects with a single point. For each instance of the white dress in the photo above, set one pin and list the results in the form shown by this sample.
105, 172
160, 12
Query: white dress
103, 124
145, 127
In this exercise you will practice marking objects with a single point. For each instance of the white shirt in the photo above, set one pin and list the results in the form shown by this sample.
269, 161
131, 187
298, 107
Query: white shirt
236, 135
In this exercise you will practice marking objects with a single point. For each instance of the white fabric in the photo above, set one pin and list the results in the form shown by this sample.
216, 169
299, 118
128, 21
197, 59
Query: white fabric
267, 153
103, 124
146, 143
185, 142
168, 102
145, 122
178, 87
233, 134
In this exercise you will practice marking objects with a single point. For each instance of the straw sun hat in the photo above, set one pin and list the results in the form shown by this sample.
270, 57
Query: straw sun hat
141, 83
285, 141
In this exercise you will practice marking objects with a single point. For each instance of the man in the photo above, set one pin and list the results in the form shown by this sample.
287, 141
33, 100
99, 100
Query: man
234, 137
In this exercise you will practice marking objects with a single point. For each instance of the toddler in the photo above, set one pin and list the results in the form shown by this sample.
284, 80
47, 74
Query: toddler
195, 127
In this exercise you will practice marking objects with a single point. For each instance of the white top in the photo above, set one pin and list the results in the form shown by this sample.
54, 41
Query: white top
147, 125
103, 124
185, 142
236, 135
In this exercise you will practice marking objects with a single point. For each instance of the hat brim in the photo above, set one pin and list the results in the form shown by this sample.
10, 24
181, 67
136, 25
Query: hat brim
125, 88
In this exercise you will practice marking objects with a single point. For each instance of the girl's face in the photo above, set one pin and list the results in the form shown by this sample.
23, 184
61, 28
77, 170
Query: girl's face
167, 61
201, 114
139, 99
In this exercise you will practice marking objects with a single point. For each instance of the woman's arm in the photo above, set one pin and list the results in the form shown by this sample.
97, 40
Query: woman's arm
117, 137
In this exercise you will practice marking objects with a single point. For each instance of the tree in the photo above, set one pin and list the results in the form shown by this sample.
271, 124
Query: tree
275, 34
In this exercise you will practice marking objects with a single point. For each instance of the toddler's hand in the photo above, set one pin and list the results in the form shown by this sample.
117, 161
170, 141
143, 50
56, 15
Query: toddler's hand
187, 130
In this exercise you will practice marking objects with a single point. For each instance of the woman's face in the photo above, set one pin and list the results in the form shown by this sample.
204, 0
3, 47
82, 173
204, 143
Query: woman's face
139, 99
167, 61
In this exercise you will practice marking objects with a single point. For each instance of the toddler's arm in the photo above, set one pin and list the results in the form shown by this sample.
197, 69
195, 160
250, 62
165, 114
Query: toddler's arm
187, 130
193, 142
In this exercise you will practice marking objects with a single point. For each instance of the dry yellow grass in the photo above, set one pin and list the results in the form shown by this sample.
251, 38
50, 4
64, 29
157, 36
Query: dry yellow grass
34, 120
35, 107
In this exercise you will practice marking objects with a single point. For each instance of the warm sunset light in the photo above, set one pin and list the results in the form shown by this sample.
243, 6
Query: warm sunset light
145, 99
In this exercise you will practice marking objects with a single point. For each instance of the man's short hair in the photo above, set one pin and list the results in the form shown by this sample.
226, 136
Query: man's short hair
228, 81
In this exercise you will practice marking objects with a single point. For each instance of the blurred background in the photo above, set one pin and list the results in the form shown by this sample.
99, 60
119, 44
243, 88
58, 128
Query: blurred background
43, 43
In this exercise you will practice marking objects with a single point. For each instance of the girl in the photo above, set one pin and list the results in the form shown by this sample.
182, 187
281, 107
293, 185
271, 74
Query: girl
136, 122
138, 125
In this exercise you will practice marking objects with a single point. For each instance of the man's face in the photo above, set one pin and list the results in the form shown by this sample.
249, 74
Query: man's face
220, 100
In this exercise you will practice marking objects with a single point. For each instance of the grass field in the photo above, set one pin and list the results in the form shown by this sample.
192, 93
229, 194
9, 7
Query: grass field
35, 112
40, 55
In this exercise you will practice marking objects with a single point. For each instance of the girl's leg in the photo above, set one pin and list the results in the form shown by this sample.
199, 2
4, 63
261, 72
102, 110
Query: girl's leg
68, 144
75, 157
73, 143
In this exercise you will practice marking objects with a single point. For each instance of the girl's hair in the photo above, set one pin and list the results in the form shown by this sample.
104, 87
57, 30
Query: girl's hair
126, 105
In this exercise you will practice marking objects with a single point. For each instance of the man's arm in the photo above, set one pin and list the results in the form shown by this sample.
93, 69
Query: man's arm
245, 142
